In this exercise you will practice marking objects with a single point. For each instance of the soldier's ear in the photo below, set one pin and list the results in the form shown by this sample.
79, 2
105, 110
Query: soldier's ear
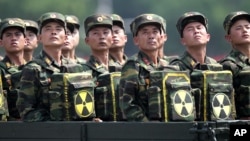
86, 40
228, 38
39, 38
136, 41
183, 42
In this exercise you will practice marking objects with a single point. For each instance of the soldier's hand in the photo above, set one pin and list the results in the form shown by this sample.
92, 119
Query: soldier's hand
97, 120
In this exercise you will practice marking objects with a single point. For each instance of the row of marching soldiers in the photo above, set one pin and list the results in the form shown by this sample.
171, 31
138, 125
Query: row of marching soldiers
56, 85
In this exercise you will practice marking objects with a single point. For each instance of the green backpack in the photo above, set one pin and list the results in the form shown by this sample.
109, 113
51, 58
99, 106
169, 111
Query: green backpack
71, 96
170, 96
217, 99
107, 97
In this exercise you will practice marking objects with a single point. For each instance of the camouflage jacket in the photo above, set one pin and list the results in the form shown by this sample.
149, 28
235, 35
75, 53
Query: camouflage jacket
94, 67
113, 60
10, 77
235, 61
187, 62
134, 83
33, 102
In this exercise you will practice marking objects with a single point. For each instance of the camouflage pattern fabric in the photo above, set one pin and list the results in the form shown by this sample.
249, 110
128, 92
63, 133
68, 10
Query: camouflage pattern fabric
71, 96
239, 65
134, 84
10, 80
103, 76
97, 20
107, 96
186, 62
112, 60
189, 17
232, 17
146, 19
4, 112
170, 96
217, 100
96, 68
33, 103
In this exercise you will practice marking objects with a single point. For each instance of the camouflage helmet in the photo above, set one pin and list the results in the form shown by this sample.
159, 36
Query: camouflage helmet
12, 22
189, 17
72, 22
117, 20
31, 25
145, 19
232, 17
50, 17
97, 20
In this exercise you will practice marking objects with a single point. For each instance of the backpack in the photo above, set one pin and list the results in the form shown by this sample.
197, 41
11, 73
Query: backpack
107, 96
170, 96
70, 92
10, 86
217, 99
71, 96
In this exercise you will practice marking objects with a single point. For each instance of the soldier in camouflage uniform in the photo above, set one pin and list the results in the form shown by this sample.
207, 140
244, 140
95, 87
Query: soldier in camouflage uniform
33, 100
72, 40
32, 39
116, 51
237, 27
146, 29
192, 27
99, 38
164, 39
12, 39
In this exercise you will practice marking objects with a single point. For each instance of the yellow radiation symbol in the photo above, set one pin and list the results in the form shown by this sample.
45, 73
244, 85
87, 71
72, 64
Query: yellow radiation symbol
84, 104
183, 103
221, 106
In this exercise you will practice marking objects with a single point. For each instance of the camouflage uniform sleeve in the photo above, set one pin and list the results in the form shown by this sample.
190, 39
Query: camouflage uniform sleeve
177, 62
129, 90
229, 65
28, 97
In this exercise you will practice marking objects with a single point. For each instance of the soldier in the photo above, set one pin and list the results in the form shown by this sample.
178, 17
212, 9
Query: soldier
99, 37
12, 39
192, 27
34, 103
72, 40
32, 39
116, 51
205, 73
146, 29
164, 39
237, 28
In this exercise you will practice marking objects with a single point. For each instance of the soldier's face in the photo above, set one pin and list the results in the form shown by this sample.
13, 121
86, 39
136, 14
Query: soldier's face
52, 35
148, 38
119, 37
99, 39
195, 35
69, 42
239, 33
76, 37
32, 41
13, 40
